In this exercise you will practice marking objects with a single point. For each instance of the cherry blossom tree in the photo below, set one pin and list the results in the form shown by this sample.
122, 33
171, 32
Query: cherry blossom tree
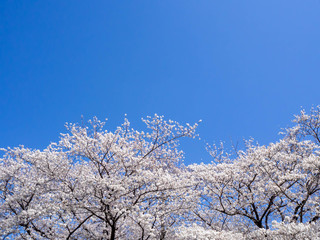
263, 185
95, 184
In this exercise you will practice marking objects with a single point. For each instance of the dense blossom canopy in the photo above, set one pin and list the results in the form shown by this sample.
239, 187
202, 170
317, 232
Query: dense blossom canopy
128, 184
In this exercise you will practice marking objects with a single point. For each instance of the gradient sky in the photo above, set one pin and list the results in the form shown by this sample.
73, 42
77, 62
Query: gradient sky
243, 67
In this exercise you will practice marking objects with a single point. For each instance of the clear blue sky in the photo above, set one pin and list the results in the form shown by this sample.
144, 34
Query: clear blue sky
243, 67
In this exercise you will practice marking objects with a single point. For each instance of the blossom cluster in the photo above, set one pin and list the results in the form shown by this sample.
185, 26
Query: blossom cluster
129, 184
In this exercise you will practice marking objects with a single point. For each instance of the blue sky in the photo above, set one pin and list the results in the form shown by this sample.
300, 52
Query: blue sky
243, 67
